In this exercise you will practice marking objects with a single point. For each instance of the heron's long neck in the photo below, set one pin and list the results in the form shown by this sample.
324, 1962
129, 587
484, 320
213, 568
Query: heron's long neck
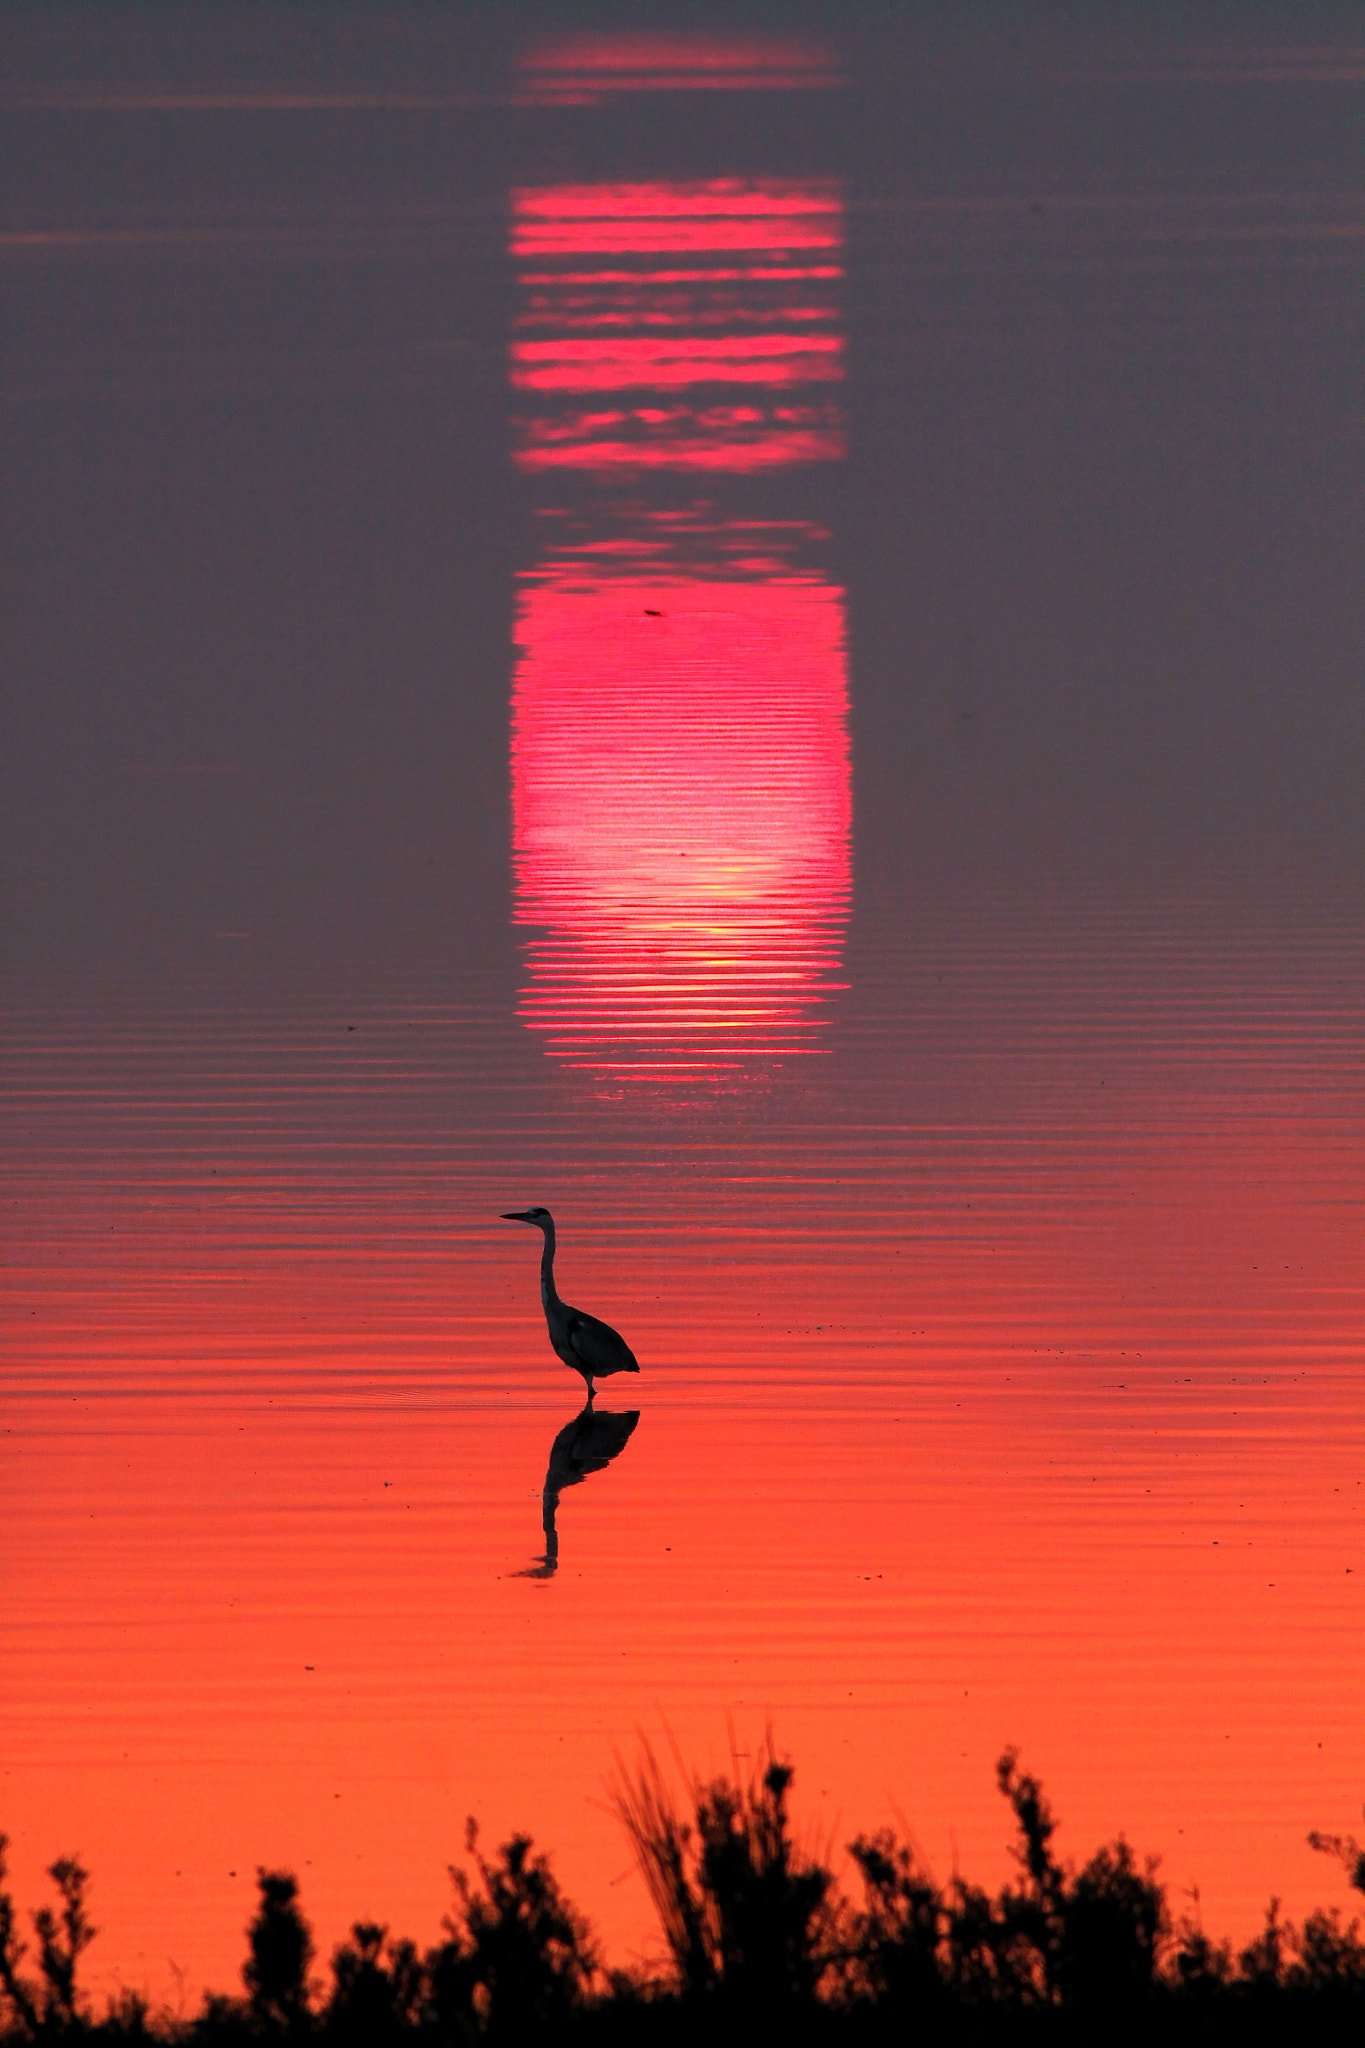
547, 1267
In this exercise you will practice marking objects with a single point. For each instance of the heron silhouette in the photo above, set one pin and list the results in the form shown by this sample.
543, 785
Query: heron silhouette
586, 1445
591, 1347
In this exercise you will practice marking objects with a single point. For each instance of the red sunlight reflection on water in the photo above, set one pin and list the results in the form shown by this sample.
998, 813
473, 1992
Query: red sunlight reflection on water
732, 359
705, 213
680, 764
711, 442
721, 331
680, 796
576, 69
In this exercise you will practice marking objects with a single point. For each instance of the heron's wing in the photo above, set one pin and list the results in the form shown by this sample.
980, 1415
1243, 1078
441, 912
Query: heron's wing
606, 1438
598, 1346
587, 1444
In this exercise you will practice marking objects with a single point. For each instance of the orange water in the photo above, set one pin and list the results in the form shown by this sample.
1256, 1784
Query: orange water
877, 859
1034, 1420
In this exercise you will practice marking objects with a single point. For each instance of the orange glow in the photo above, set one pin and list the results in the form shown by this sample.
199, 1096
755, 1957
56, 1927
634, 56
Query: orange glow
680, 791
899, 1485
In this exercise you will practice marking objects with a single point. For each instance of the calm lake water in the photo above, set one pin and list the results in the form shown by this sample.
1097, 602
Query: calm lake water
756, 637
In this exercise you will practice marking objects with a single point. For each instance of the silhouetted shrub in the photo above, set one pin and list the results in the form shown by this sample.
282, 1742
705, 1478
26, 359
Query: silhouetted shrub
129, 2018
1199, 1968
1031, 1917
519, 1959
1114, 1917
747, 1916
281, 1949
1261, 1964
51, 2006
61, 1937
896, 1954
1328, 1956
759, 1938
981, 1964
378, 1987
1347, 1851
1059, 1937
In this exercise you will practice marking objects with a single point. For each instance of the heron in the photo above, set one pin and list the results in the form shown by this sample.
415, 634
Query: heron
591, 1347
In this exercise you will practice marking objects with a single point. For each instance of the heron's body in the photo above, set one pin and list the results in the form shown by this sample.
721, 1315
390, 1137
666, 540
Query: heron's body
589, 1346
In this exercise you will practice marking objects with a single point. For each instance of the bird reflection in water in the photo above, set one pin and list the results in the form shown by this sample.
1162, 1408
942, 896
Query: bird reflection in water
587, 1444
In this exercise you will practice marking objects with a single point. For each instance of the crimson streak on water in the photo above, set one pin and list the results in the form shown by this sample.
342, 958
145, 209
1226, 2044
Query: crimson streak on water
680, 755
685, 327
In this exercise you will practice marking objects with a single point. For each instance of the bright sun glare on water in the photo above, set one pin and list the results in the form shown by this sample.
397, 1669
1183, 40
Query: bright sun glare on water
680, 762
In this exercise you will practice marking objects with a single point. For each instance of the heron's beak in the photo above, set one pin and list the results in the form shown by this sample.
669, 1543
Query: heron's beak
515, 1216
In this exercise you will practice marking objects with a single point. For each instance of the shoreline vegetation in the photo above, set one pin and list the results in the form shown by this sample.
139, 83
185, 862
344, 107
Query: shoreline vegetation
758, 1933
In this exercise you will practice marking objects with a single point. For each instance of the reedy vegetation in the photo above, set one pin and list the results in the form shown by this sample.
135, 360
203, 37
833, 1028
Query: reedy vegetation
757, 1931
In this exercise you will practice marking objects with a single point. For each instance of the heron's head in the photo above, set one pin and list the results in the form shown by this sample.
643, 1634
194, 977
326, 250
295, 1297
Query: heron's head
540, 1216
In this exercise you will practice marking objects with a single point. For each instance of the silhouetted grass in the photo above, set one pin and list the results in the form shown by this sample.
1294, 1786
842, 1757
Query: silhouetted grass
759, 1934
750, 1921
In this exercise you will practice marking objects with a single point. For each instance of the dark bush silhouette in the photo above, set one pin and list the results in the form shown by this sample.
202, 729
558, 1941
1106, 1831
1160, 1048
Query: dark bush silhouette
895, 1955
1093, 1936
378, 1988
1199, 1968
1026, 1931
759, 1937
1348, 1853
1261, 1965
1328, 1956
519, 1958
748, 1917
281, 1949
49, 2007
61, 1937
1114, 1920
